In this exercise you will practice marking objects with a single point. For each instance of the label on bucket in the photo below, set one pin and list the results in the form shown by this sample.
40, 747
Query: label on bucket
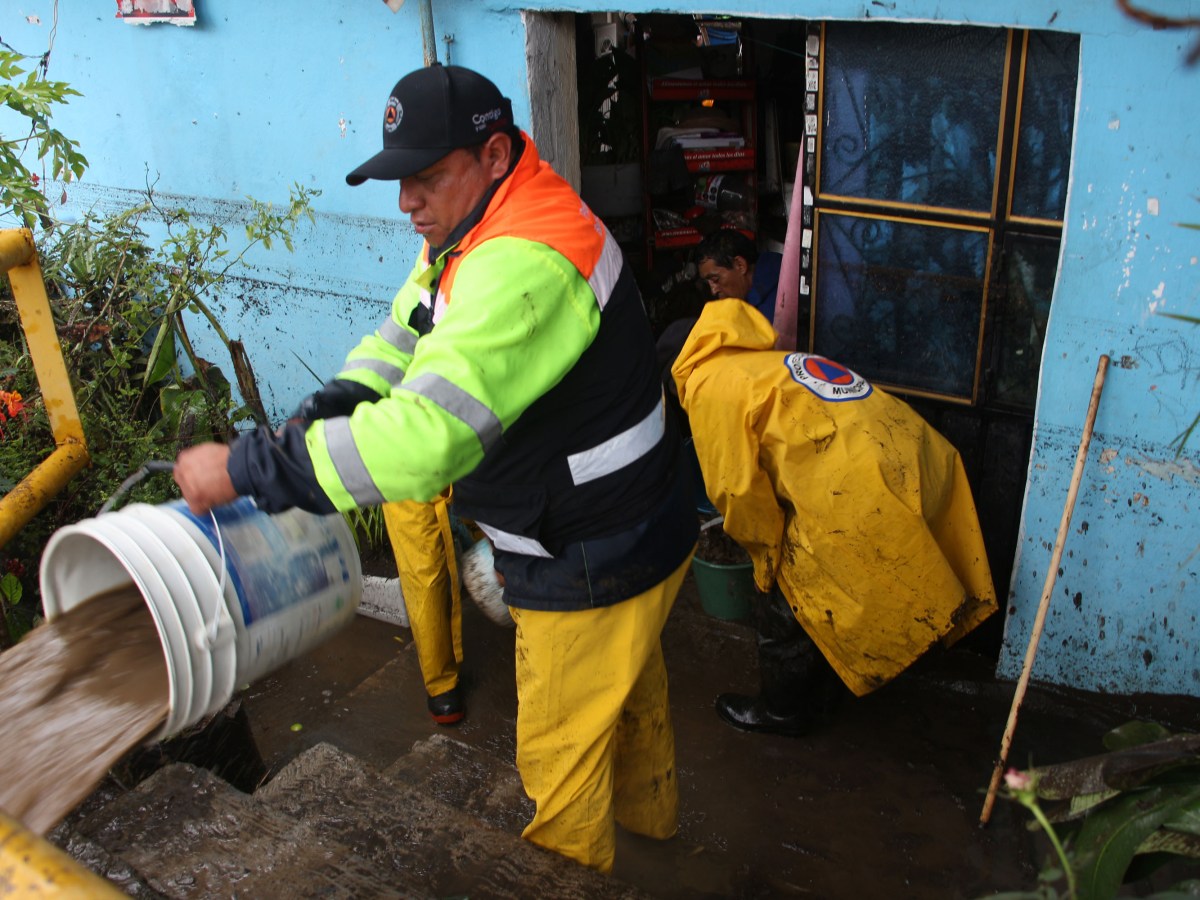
271, 561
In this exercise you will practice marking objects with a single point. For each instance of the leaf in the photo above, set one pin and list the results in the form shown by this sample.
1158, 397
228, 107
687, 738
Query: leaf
11, 588
1119, 770
1187, 821
178, 404
162, 352
1133, 734
1082, 803
1111, 835
1166, 840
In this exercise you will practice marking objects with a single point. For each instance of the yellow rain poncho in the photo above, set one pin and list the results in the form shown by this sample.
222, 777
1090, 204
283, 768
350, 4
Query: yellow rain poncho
840, 492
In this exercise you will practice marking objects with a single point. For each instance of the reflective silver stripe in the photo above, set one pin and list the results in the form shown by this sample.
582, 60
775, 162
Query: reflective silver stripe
460, 404
514, 543
393, 375
607, 271
618, 452
348, 462
398, 336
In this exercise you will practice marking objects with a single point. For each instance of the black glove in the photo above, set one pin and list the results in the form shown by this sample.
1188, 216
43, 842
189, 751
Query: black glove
337, 398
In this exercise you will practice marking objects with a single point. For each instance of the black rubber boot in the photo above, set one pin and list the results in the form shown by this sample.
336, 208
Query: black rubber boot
747, 713
447, 708
799, 689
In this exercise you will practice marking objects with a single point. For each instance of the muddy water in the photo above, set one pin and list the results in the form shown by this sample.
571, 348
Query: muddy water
75, 696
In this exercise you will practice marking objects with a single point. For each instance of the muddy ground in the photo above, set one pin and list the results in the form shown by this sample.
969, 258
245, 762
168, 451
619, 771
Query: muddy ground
883, 803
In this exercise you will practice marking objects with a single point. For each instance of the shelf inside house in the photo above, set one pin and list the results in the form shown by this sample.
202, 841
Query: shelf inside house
702, 133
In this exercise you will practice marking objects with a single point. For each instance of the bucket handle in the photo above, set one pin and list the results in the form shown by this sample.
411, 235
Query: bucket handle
159, 465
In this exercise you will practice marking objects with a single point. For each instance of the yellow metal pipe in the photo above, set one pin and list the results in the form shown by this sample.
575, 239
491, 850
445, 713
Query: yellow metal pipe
32, 867
18, 257
16, 247
29, 290
24, 501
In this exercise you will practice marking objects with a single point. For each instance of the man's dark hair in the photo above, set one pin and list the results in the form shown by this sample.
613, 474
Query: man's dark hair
512, 131
723, 245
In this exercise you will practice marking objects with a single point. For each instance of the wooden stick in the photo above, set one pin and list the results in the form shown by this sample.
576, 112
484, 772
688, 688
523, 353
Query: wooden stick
1055, 558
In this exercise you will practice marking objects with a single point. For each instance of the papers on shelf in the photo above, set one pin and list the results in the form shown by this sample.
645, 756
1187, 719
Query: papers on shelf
697, 138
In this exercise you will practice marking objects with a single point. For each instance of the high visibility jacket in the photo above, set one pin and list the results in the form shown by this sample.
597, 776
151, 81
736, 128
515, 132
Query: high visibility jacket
839, 491
519, 365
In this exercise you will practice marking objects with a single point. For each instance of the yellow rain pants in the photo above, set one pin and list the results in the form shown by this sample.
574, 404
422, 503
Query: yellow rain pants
594, 737
839, 491
424, 548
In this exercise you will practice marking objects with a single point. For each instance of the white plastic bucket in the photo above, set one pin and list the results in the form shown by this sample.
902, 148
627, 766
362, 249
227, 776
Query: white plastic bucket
290, 581
479, 578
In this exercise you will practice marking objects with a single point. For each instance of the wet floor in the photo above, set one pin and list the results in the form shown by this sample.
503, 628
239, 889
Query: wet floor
883, 802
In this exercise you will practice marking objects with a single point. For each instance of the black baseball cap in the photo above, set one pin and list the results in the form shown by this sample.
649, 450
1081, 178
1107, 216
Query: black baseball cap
430, 112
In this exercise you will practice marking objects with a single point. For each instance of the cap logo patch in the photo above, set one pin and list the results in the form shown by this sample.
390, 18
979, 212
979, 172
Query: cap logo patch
482, 120
392, 115
828, 380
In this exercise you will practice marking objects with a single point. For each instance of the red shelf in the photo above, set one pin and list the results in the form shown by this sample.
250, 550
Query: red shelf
670, 238
697, 89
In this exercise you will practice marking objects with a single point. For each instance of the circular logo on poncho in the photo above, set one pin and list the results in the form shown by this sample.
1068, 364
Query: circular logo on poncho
827, 379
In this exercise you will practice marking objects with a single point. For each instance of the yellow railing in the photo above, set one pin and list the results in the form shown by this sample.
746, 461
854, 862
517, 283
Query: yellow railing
31, 866
19, 259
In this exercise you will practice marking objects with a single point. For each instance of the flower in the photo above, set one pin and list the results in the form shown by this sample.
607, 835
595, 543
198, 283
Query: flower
10, 404
10, 407
15, 567
1018, 781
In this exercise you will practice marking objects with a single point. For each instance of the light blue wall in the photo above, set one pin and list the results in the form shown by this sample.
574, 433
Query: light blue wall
254, 98
263, 94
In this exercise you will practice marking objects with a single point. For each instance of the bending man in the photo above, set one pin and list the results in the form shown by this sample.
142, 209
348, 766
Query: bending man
849, 504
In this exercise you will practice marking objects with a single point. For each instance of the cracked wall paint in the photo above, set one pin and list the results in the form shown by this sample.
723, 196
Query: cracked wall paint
1167, 469
1121, 616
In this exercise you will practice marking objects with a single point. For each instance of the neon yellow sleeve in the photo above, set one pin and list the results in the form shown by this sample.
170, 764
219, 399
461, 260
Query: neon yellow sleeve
520, 316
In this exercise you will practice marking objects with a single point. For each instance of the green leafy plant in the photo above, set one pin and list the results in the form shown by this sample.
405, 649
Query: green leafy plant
367, 526
11, 591
33, 99
123, 307
1118, 817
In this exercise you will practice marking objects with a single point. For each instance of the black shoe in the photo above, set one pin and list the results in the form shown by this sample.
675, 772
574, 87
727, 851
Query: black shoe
750, 714
447, 708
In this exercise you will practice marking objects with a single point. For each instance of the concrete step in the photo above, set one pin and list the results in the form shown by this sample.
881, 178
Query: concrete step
404, 830
467, 778
185, 833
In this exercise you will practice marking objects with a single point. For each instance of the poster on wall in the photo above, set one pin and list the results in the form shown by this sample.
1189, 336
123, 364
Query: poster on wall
148, 12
